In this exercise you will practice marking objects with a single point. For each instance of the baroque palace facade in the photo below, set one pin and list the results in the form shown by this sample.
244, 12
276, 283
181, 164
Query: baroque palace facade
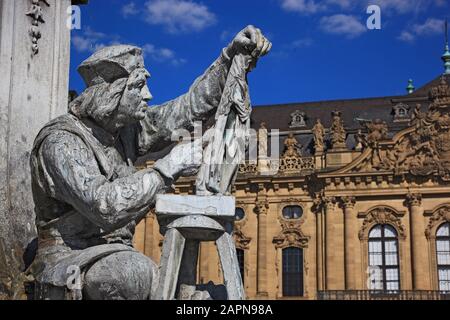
357, 206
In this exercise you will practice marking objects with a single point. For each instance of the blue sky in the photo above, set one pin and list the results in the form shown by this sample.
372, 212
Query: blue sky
322, 50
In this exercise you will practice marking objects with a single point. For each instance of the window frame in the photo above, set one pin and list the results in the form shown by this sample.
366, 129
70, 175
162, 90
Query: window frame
235, 214
441, 266
241, 263
384, 267
288, 275
291, 206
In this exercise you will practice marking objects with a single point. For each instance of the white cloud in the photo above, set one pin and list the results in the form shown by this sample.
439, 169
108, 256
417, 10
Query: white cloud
302, 6
302, 43
89, 40
388, 6
179, 16
402, 6
129, 10
342, 3
342, 24
406, 36
225, 35
441, 3
315, 6
81, 44
162, 55
431, 26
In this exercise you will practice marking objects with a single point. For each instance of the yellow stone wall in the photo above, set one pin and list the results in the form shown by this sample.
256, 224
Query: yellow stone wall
263, 259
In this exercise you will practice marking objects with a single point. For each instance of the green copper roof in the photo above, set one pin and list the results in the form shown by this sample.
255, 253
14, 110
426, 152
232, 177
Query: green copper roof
410, 88
446, 55
446, 59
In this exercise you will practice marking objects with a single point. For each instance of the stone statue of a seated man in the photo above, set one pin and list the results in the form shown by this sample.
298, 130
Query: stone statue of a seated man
89, 196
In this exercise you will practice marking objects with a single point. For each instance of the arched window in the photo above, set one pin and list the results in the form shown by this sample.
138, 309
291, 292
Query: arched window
443, 256
241, 260
292, 212
383, 258
292, 272
239, 214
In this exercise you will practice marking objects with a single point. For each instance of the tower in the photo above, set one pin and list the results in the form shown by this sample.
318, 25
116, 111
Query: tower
446, 55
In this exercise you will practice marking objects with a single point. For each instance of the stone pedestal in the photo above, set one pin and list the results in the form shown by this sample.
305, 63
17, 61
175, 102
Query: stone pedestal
185, 221
338, 157
33, 89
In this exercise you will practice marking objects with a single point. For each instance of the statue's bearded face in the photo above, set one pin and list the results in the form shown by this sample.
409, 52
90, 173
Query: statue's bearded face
133, 104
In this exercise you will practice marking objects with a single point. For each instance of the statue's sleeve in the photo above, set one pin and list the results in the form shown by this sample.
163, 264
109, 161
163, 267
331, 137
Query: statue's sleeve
198, 104
74, 177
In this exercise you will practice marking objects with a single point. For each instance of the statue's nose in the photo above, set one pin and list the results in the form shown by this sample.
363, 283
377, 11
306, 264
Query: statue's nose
146, 95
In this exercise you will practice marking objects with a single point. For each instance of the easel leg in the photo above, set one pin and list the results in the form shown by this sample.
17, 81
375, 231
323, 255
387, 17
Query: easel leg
188, 270
172, 253
230, 267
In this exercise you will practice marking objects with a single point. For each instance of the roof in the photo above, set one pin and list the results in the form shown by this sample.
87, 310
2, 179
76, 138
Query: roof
278, 116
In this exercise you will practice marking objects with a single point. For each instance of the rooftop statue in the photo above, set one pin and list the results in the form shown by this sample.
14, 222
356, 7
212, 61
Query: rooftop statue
89, 196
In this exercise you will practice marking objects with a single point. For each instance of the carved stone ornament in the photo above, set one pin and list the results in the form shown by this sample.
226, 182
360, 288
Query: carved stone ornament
36, 15
248, 167
439, 217
319, 136
241, 241
348, 202
381, 215
377, 131
298, 119
422, 149
292, 148
291, 234
261, 207
401, 112
413, 199
337, 131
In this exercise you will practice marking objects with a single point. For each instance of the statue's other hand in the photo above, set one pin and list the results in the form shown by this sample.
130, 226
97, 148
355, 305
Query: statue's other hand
184, 160
250, 41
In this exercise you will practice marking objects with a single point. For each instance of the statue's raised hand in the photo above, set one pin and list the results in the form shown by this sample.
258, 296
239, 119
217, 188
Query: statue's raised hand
250, 41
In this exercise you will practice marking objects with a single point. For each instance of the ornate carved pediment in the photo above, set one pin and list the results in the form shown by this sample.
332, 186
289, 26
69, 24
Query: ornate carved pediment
420, 150
291, 238
439, 217
381, 215
291, 234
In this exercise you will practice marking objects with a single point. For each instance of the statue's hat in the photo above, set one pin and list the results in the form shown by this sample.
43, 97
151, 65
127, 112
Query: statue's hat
111, 63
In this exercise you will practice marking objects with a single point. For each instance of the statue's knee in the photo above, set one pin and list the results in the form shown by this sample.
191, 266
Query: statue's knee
120, 276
